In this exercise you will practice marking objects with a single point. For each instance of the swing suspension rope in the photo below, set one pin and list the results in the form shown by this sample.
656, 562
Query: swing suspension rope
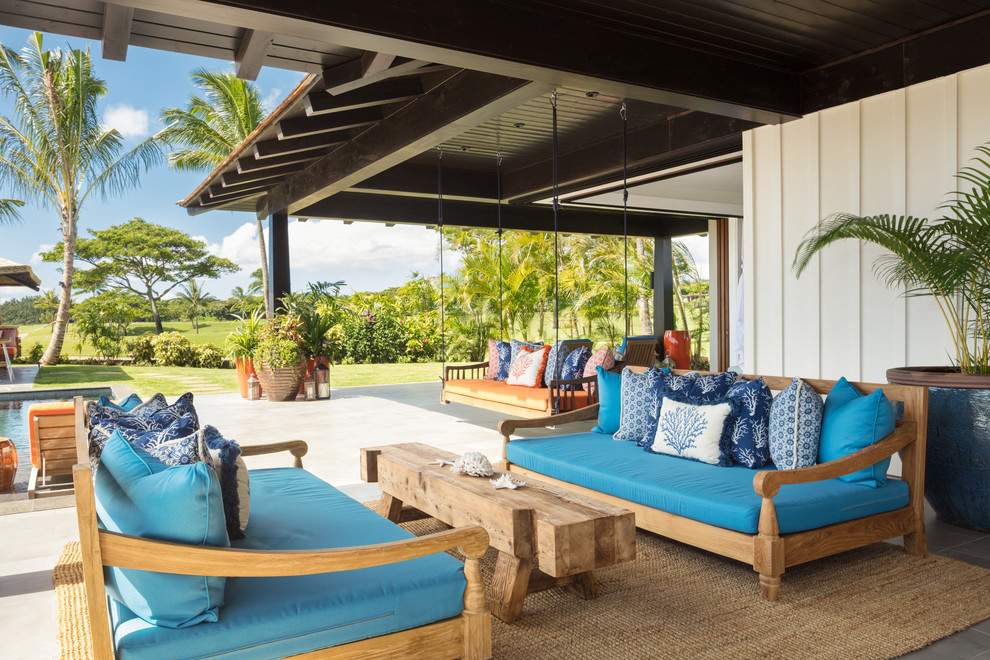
556, 207
443, 323
625, 220
498, 177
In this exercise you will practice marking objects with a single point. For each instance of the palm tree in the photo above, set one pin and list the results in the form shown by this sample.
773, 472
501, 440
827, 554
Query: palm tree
55, 151
48, 304
240, 298
195, 299
211, 127
8, 210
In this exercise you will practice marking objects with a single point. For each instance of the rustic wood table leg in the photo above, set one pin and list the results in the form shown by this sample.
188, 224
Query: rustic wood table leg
585, 586
390, 507
509, 586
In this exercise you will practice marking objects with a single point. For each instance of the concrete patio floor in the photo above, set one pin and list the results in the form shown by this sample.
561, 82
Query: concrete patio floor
31, 541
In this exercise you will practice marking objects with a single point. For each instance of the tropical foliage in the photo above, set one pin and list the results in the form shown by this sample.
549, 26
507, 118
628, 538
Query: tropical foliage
54, 150
947, 259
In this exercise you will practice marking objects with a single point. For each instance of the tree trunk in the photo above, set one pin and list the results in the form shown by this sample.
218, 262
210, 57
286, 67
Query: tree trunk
54, 349
154, 313
266, 293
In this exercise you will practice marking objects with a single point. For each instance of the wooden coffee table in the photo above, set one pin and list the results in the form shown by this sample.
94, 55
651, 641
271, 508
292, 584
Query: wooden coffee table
565, 534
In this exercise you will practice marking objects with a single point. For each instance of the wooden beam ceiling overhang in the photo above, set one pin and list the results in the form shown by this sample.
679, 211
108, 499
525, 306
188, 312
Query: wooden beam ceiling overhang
274, 148
467, 99
389, 91
474, 36
116, 33
251, 53
421, 181
529, 217
665, 143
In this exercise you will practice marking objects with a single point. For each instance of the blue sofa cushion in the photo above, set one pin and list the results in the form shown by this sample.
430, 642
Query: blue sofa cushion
795, 426
139, 495
637, 398
853, 422
721, 496
751, 435
609, 401
283, 616
555, 362
125, 405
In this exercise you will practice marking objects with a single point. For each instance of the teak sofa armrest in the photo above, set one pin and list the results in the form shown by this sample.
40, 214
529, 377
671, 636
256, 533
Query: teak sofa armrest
297, 448
508, 426
768, 482
466, 371
126, 551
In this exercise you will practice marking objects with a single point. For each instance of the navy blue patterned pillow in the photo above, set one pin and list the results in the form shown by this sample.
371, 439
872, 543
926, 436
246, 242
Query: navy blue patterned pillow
555, 362
177, 450
233, 473
712, 386
140, 431
695, 429
795, 426
515, 344
637, 397
574, 364
679, 384
751, 435
149, 407
667, 384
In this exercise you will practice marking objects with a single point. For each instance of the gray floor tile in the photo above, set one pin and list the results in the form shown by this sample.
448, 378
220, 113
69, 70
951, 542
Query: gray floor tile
962, 646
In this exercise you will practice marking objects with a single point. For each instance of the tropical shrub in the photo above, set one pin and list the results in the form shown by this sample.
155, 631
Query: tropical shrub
142, 348
102, 322
279, 342
36, 352
374, 337
242, 342
173, 350
208, 356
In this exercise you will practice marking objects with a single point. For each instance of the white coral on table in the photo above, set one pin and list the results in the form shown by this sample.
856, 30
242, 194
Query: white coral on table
474, 464
505, 481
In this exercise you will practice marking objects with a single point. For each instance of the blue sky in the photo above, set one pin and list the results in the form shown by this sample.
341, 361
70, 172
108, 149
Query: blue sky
367, 256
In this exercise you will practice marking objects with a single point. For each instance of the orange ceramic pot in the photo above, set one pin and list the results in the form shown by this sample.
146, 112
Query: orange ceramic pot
8, 464
677, 344
245, 367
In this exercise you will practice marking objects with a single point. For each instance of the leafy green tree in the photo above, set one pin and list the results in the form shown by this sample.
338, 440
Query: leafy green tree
240, 299
145, 258
210, 127
21, 311
102, 321
54, 150
48, 304
196, 300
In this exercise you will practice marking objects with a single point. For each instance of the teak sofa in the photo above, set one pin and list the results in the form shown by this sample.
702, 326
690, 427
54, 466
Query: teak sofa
369, 592
467, 384
770, 519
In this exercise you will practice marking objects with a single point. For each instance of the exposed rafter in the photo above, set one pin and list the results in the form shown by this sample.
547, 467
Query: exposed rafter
372, 63
421, 181
389, 91
303, 126
251, 53
116, 33
229, 179
252, 164
467, 99
272, 148
353, 75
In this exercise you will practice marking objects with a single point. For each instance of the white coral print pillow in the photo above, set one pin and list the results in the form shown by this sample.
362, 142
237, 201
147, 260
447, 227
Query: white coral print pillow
528, 368
695, 431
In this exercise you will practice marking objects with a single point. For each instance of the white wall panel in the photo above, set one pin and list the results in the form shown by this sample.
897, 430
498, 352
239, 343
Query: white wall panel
894, 153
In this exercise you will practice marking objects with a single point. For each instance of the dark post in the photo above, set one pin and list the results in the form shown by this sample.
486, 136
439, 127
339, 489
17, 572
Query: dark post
278, 249
663, 288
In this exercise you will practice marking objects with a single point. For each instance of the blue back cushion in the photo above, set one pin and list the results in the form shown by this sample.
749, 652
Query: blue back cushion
795, 426
853, 422
609, 401
751, 435
555, 362
139, 495
126, 405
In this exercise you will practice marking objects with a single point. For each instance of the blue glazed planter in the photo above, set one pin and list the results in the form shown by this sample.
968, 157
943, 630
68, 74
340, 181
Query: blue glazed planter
957, 461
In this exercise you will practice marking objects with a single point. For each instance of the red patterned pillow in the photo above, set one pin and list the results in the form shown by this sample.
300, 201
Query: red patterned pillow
603, 358
528, 368
492, 360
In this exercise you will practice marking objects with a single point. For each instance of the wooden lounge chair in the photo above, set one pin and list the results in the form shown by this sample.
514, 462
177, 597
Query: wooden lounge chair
639, 351
53, 447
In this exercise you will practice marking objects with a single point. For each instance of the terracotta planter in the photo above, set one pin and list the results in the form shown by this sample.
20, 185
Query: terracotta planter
245, 367
8, 464
957, 459
677, 344
281, 383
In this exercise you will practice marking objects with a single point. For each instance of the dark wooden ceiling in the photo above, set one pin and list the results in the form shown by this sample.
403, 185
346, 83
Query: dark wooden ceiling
394, 80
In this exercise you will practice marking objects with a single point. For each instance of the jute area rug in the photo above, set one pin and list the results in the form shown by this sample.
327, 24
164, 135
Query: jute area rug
675, 601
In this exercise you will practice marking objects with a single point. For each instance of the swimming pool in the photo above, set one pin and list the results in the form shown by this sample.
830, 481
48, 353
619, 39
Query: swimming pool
13, 421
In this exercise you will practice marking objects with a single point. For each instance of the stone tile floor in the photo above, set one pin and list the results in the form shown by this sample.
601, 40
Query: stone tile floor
31, 540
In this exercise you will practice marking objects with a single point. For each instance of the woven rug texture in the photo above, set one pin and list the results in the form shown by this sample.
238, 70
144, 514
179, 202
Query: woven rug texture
675, 601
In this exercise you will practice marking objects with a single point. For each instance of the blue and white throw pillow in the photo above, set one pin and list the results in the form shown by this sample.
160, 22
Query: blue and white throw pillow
233, 473
140, 431
637, 398
574, 364
795, 426
149, 407
710, 387
751, 434
185, 450
500, 359
555, 362
696, 430
679, 384
515, 345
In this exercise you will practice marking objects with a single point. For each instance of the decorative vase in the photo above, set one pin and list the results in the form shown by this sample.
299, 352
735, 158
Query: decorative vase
677, 345
957, 459
8, 464
281, 383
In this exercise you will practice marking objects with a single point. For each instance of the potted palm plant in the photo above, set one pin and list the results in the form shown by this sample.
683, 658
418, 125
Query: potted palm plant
240, 345
279, 358
948, 259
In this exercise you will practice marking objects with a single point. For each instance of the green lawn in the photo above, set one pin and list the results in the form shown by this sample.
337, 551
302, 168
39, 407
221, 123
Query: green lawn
173, 381
210, 332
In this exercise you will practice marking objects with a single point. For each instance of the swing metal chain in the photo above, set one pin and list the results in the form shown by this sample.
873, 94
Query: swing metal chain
443, 322
625, 219
556, 207
498, 178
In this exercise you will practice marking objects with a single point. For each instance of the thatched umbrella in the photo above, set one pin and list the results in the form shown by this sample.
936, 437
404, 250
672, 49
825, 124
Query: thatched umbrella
12, 274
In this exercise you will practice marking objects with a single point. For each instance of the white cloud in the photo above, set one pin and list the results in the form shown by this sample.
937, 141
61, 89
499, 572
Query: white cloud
129, 121
35, 259
698, 246
271, 100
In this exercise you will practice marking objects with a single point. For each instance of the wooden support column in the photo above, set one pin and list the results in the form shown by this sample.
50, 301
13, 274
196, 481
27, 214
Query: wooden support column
278, 262
663, 287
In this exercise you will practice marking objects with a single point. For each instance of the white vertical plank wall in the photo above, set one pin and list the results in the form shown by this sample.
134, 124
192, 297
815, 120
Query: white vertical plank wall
894, 153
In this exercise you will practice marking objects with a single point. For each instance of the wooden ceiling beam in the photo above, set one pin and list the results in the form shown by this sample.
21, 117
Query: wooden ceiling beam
571, 219
228, 179
274, 148
303, 126
353, 75
251, 53
421, 181
389, 91
372, 63
467, 100
219, 191
688, 136
116, 33
252, 164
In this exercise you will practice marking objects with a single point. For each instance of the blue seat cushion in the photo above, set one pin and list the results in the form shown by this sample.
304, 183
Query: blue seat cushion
720, 496
283, 616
